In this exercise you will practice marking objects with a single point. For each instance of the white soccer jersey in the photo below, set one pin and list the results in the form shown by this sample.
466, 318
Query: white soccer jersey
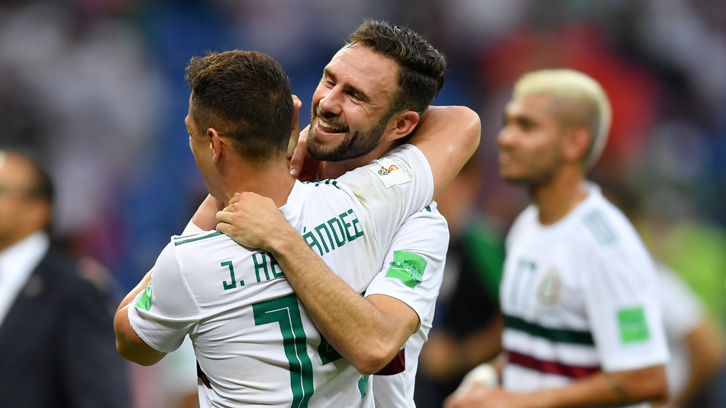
419, 244
254, 343
578, 296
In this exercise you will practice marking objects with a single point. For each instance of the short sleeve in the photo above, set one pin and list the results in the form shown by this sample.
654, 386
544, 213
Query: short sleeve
414, 265
166, 311
682, 310
620, 292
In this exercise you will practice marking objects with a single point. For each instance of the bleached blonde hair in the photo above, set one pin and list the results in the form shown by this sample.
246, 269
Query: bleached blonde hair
582, 98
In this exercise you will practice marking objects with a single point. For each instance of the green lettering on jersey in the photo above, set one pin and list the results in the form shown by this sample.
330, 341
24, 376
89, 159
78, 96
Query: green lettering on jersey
232, 283
339, 238
633, 325
145, 299
260, 265
363, 385
408, 267
312, 241
318, 229
358, 233
346, 225
333, 233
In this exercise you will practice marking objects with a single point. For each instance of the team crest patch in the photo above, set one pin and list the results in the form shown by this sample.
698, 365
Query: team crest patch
145, 299
548, 291
392, 171
408, 267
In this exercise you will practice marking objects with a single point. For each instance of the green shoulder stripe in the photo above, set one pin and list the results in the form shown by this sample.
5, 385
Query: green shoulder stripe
197, 237
555, 335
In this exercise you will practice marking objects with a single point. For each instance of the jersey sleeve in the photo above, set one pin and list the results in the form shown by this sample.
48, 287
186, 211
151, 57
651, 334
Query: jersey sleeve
166, 311
682, 310
414, 265
621, 300
392, 188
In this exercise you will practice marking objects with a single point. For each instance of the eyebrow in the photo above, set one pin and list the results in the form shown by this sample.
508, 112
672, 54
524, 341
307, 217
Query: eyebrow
519, 119
347, 87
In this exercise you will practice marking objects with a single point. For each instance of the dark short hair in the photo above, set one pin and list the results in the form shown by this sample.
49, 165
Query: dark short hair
421, 75
41, 185
245, 96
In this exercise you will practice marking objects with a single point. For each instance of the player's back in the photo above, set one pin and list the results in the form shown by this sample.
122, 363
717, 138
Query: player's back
254, 343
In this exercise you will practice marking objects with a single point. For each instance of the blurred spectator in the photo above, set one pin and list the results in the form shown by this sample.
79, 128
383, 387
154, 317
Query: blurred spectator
56, 331
695, 341
695, 338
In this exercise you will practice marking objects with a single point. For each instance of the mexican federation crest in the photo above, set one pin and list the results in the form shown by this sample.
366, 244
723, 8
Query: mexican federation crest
548, 291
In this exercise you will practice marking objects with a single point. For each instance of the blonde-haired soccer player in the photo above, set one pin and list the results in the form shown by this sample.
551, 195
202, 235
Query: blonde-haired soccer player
582, 321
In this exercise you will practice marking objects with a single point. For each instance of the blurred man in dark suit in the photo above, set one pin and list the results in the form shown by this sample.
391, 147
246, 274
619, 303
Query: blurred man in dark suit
56, 335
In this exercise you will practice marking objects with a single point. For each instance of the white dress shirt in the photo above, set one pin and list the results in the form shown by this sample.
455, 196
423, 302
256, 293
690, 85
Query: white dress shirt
17, 263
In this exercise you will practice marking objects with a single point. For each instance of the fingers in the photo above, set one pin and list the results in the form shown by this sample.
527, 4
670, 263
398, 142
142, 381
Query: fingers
235, 199
224, 228
304, 134
226, 216
452, 401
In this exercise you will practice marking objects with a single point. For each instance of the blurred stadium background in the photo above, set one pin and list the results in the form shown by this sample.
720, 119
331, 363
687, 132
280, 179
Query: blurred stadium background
95, 89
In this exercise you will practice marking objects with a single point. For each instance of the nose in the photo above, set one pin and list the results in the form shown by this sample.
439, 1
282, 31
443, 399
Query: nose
331, 103
505, 137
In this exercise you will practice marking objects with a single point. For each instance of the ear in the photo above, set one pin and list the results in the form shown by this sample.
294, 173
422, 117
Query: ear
215, 143
403, 124
576, 144
39, 214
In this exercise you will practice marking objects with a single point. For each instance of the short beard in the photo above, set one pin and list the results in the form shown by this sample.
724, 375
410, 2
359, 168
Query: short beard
353, 145
532, 183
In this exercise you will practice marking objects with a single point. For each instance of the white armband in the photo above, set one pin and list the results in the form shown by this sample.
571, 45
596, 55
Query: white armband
483, 374
191, 228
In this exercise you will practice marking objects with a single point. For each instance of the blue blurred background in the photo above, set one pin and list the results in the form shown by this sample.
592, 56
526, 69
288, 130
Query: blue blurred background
95, 89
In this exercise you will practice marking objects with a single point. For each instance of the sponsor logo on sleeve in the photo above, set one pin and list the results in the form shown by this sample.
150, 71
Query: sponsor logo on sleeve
408, 267
633, 325
144, 301
392, 171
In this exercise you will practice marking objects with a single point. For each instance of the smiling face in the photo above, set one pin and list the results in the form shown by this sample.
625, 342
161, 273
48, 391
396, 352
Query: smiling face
351, 105
530, 141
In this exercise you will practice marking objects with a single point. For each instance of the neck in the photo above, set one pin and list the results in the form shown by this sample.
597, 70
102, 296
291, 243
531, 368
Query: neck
271, 179
8, 241
336, 169
558, 197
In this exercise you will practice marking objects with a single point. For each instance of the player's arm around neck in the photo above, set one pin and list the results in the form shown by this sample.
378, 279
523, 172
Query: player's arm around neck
448, 136
128, 343
368, 332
